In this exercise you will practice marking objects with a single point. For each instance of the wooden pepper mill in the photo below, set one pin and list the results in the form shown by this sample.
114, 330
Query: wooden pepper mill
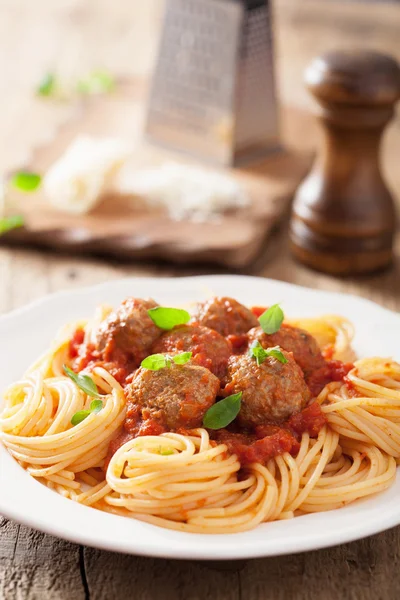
343, 218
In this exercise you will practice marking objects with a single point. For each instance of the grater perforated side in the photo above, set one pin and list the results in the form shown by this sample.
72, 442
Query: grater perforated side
212, 92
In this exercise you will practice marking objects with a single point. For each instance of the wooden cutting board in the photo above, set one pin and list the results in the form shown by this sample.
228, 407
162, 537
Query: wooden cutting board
123, 229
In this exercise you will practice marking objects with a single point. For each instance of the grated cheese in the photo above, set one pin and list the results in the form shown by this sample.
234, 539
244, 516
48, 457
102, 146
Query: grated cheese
185, 192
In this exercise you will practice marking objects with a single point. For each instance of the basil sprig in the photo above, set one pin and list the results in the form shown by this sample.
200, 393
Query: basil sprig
223, 412
260, 354
168, 318
81, 415
155, 362
12, 222
84, 382
47, 86
271, 319
25, 181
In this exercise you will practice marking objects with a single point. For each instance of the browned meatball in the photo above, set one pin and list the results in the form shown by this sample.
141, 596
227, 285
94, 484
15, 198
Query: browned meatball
209, 349
271, 392
303, 346
128, 332
225, 315
175, 397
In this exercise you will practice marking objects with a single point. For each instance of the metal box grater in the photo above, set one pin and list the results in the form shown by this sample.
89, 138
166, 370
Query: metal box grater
213, 89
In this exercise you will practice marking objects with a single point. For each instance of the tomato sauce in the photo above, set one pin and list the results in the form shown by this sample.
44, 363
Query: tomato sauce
249, 449
75, 342
332, 370
134, 427
239, 343
258, 310
85, 356
269, 441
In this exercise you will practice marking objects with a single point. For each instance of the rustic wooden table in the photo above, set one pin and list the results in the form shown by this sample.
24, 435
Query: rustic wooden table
73, 35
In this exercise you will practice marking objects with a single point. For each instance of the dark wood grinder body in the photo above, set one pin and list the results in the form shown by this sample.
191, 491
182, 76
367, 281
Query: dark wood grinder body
344, 217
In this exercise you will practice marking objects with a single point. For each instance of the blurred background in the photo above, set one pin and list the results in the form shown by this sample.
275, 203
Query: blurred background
50, 48
74, 37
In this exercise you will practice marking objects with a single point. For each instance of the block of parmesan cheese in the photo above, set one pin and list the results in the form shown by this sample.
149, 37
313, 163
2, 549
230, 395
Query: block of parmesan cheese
85, 172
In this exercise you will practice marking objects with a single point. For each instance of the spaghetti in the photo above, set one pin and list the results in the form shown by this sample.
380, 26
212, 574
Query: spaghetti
187, 481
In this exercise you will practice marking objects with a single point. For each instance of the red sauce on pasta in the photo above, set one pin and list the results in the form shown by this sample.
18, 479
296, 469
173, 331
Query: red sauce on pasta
269, 441
333, 370
76, 341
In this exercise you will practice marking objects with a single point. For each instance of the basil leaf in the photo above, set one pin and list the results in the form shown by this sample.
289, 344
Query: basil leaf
47, 86
98, 82
154, 362
182, 358
12, 222
168, 318
223, 412
26, 182
277, 353
257, 351
84, 382
80, 416
96, 406
260, 354
271, 319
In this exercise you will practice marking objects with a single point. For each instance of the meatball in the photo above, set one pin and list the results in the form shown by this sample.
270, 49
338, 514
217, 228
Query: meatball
271, 392
174, 397
304, 347
128, 332
209, 349
225, 315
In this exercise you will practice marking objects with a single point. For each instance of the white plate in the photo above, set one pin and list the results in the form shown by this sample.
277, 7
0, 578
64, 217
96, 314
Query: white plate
27, 332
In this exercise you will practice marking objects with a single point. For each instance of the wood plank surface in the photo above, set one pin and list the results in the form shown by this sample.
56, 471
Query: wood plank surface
34, 37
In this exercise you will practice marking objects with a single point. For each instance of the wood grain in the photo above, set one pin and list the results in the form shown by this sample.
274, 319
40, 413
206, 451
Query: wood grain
35, 565
39, 567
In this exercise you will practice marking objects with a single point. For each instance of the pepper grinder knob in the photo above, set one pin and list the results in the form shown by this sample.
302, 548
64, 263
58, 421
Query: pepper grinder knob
343, 218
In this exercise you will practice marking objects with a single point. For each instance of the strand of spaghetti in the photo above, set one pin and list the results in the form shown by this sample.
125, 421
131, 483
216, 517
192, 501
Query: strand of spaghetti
283, 488
163, 506
294, 478
354, 491
372, 430
95, 494
329, 440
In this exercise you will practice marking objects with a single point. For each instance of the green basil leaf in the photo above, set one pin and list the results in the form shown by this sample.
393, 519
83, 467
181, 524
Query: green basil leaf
96, 406
182, 358
277, 353
271, 319
26, 182
223, 412
257, 351
154, 362
80, 416
168, 318
84, 382
8, 223
98, 82
47, 86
